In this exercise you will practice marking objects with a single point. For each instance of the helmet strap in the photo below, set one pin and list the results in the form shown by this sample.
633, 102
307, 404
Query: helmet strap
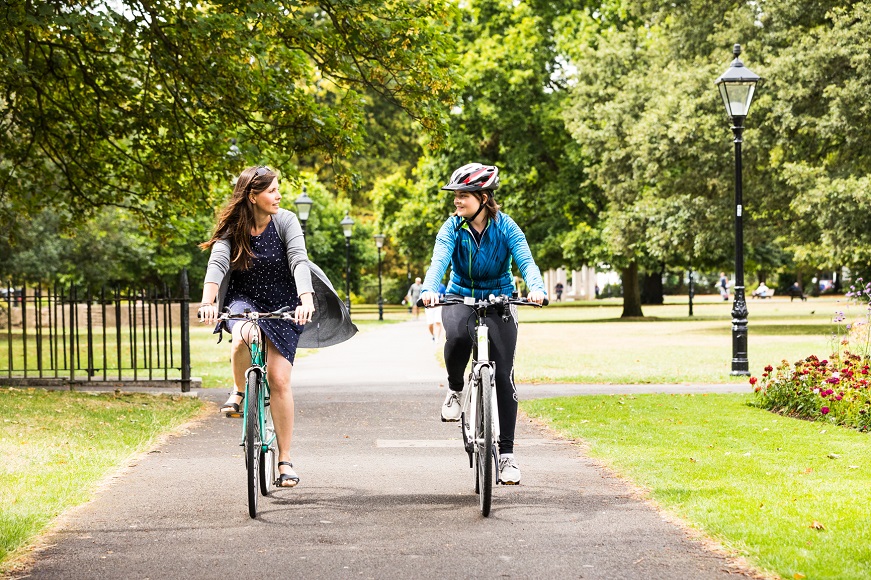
469, 220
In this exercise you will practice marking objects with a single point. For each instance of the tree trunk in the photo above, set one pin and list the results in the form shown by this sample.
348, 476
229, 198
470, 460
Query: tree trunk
631, 296
651, 289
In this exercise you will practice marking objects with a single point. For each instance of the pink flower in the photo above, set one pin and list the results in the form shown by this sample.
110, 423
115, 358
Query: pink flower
824, 410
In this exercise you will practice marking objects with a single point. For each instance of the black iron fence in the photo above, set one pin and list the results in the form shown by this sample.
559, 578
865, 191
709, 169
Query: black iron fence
71, 334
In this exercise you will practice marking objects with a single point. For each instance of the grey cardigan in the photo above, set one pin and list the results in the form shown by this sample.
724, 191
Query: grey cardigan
331, 322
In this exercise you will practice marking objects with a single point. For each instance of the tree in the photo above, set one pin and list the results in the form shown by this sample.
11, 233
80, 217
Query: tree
507, 114
132, 103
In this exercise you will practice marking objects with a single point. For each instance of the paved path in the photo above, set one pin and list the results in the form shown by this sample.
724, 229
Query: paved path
386, 492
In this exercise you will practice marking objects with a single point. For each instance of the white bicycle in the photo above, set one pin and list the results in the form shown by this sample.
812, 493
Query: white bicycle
479, 420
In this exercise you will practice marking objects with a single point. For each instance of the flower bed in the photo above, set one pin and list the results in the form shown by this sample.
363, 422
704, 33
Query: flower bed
835, 390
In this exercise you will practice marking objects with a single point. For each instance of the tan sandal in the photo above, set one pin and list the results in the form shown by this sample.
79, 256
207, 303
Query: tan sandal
231, 409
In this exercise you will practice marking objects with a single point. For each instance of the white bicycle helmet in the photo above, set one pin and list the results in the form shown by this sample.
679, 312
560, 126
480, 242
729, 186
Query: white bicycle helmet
474, 177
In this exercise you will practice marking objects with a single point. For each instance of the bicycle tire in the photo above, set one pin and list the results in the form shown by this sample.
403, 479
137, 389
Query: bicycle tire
253, 450
484, 440
269, 458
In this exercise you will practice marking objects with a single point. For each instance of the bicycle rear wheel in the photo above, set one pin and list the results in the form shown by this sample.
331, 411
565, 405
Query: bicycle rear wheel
484, 442
253, 449
269, 458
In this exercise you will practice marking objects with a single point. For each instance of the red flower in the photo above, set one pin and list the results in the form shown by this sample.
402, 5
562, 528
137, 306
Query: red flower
753, 380
824, 410
769, 368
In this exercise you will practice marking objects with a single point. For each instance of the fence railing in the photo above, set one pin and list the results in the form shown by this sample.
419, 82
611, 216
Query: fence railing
73, 334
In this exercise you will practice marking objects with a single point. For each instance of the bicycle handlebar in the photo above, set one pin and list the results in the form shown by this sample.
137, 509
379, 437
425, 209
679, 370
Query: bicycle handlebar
285, 313
487, 302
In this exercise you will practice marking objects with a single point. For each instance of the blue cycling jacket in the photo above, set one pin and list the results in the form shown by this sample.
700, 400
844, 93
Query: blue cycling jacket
481, 270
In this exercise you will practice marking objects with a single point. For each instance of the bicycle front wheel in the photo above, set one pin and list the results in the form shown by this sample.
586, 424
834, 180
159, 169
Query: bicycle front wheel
253, 448
484, 441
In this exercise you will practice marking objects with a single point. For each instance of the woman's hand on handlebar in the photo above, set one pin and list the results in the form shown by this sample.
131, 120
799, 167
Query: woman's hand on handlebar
305, 310
536, 296
208, 313
429, 298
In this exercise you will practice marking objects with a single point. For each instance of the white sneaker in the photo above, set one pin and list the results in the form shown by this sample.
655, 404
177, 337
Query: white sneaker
451, 408
509, 471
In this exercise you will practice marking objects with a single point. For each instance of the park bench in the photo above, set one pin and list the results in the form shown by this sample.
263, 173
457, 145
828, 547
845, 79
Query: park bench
767, 294
796, 293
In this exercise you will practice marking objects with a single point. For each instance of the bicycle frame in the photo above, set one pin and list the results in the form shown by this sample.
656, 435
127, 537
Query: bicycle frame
477, 434
260, 463
258, 363
480, 359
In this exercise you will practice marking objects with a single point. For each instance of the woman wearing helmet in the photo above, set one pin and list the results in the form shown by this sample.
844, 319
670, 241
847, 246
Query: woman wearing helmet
479, 242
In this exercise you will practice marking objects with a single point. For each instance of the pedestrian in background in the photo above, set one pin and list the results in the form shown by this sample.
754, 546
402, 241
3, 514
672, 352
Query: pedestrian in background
413, 296
724, 286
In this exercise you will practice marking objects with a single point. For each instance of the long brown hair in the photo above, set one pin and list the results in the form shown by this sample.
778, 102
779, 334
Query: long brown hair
490, 206
236, 219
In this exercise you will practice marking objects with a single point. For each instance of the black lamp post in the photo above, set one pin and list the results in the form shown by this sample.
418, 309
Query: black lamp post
737, 86
303, 207
379, 243
347, 227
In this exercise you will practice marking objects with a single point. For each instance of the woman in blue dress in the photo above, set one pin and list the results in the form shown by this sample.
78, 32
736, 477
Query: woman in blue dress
259, 261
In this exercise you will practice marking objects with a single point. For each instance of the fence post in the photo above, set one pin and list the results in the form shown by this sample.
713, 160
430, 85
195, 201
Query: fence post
185, 333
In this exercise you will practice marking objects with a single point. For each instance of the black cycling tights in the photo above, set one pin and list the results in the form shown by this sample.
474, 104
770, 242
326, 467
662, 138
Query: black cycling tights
459, 325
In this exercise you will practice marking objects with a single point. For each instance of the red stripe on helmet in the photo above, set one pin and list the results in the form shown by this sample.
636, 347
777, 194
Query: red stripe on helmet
475, 175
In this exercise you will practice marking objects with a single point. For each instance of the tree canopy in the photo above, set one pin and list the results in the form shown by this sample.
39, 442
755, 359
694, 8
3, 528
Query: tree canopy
602, 116
133, 103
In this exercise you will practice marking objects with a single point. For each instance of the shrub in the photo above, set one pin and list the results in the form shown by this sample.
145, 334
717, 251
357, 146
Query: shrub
834, 390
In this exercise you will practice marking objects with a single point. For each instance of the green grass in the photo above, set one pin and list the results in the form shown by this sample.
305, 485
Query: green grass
589, 342
55, 446
756, 482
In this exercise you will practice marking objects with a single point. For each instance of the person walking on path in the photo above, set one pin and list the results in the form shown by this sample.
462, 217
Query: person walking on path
413, 296
724, 286
479, 242
258, 262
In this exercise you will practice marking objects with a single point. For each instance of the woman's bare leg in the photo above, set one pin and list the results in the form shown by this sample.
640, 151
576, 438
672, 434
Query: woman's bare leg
240, 358
281, 402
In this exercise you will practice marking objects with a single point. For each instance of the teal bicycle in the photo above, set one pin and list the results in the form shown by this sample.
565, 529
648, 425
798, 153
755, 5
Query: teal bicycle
258, 432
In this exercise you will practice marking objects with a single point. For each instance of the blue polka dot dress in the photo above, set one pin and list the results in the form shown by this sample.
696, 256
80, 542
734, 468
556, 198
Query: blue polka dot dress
265, 287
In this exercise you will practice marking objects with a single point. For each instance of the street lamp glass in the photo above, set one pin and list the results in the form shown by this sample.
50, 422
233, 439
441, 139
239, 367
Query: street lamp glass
737, 86
379, 240
303, 205
737, 97
347, 225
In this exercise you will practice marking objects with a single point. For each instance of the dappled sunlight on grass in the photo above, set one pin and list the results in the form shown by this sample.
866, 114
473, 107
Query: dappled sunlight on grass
56, 445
